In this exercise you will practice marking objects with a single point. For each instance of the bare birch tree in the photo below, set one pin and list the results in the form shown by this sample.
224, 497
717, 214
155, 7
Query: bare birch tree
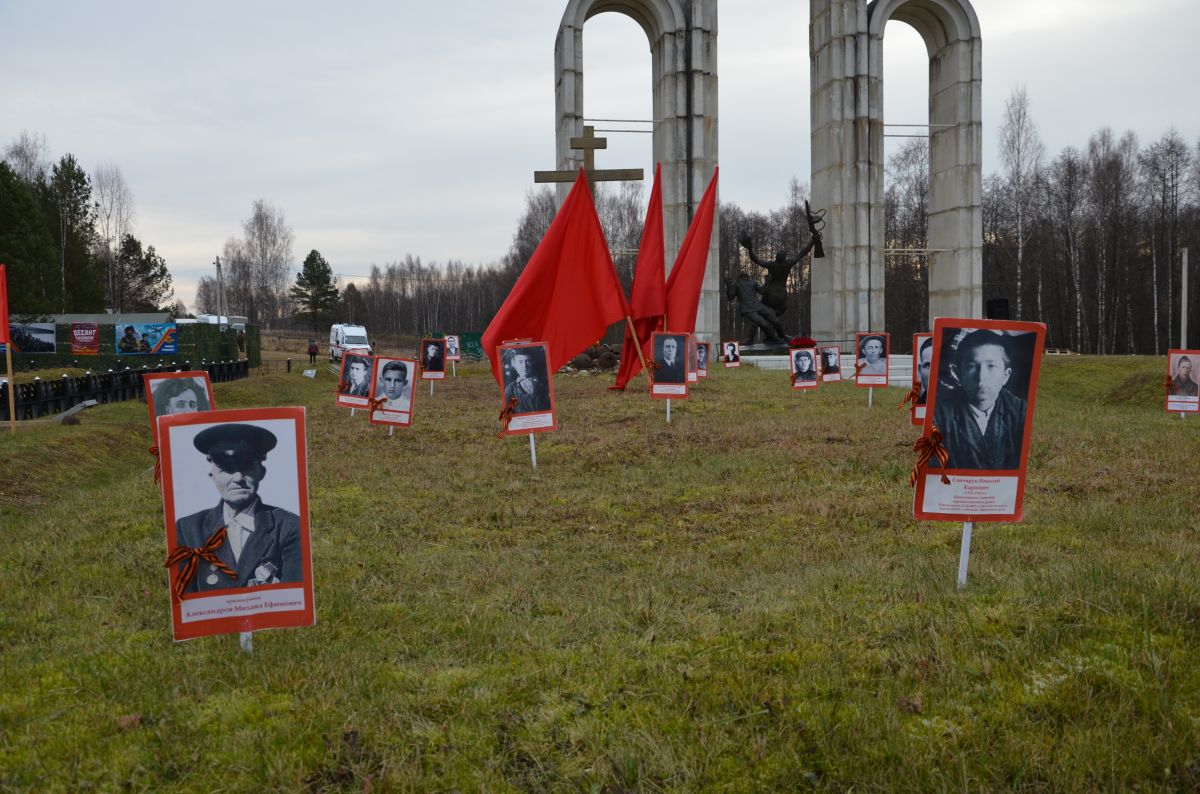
29, 157
114, 220
1021, 152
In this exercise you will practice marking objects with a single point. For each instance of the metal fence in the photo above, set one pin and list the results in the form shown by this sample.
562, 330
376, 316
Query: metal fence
48, 397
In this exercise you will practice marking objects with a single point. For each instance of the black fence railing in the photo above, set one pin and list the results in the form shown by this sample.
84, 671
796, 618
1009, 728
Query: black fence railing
48, 397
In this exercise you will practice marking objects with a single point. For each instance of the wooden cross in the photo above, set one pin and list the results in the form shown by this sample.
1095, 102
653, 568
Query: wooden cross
589, 143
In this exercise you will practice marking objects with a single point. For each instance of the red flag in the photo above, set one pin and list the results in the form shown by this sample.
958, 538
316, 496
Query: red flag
569, 292
648, 300
3, 308
687, 274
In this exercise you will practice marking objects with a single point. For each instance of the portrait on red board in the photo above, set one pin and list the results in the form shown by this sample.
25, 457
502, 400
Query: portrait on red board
235, 498
871, 368
982, 392
433, 359
831, 364
922, 365
669, 373
354, 385
391, 398
1183, 394
803, 362
527, 391
732, 352
453, 351
172, 393
693, 361
703, 350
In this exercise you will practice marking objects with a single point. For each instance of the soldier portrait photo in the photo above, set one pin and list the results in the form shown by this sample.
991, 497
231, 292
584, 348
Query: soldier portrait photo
702, 357
981, 396
525, 379
355, 370
831, 363
235, 503
804, 368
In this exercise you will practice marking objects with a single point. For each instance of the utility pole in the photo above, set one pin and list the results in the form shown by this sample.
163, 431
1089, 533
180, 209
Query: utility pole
220, 293
1183, 302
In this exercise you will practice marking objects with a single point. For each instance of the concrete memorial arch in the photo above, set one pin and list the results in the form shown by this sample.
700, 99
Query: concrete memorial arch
846, 55
682, 35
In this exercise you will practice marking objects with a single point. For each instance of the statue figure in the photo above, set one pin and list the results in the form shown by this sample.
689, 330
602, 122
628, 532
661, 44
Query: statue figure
745, 291
775, 285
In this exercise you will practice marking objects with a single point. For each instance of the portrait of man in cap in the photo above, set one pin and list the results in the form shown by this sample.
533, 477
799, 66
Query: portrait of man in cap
803, 367
263, 542
831, 360
981, 419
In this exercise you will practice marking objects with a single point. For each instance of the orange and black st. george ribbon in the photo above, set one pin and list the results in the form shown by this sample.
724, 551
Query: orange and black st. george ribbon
506, 416
927, 448
190, 557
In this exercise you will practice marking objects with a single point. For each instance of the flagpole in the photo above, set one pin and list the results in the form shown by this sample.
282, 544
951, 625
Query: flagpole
637, 343
12, 403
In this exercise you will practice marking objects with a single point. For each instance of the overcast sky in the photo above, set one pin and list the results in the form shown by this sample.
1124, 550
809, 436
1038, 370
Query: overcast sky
389, 128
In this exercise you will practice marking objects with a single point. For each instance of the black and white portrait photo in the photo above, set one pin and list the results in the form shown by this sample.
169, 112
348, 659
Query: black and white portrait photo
525, 378
804, 368
1183, 394
262, 543
179, 395
452, 351
669, 352
355, 371
831, 363
393, 384
236, 502
732, 353
872, 354
702, 358
984, 378
433, 359
922, 359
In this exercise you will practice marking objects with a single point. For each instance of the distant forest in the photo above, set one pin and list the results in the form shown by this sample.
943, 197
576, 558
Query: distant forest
1087, 241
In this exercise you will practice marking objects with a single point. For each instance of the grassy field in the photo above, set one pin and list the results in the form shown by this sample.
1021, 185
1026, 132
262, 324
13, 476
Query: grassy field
737, 601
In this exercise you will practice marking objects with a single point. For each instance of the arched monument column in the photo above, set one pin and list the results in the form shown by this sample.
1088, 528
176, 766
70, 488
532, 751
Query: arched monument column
682, 35
846, 54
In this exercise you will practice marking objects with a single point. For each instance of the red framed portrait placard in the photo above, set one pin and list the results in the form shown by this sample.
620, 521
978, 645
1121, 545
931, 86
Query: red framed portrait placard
731, 352
1183, 395
669, 375
982, 394
703, 356
354, 382
693, 363
172, 393
453, 347
922, 366
871, 359
527, 391
392, 393
235, 501
831, 364
433, 359
803, 364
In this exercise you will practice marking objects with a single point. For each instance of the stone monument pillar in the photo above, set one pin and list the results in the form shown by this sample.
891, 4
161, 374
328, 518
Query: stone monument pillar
682, 35
846, 56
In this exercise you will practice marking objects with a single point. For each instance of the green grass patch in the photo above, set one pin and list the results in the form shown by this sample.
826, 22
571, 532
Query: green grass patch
739, 600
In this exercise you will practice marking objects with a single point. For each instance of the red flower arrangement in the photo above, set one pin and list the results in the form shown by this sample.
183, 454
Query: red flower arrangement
802, 341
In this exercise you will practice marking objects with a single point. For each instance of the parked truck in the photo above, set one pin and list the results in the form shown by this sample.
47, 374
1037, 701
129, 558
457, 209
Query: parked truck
345, 338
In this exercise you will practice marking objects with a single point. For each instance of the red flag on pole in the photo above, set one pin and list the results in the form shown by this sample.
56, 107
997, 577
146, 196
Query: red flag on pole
648, 300
687, 274
569, 292
3, 307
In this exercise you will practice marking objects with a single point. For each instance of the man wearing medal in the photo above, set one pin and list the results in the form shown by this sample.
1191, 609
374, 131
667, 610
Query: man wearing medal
262, 542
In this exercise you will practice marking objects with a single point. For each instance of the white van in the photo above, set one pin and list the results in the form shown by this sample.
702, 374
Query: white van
345, 338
